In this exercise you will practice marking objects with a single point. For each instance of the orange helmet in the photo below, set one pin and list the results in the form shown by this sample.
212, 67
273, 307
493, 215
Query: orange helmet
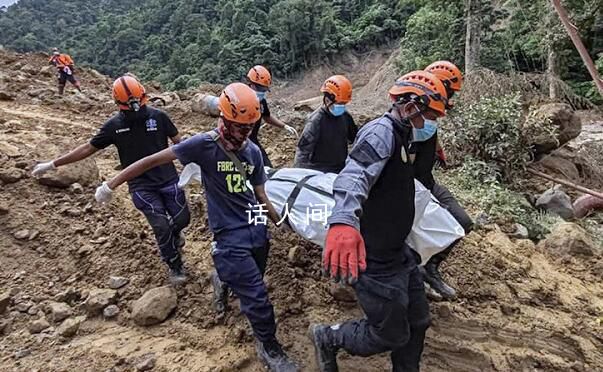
430, 90
340, 87
260, 75
239, 103
129, 94
451, 76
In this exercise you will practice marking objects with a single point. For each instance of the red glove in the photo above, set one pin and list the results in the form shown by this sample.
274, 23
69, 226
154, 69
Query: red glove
345, 254
441, 157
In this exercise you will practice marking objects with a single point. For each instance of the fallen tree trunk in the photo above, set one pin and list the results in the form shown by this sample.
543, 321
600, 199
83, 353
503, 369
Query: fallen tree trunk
566, 183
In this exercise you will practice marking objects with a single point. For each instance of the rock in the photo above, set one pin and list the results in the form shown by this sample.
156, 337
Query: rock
98, 299
38, 326
5, 326
560, 166
23, 306
205, 104
5, 96
70, 326
116, 282
59, 311
84, 172
568, 126
308, 105
48, 70
33, 310
556, 201
147, 363
41, 93
111, 311
4, 210
342, 293
9, 150
30, 69
165, 99
154, 306
293, 255
22, 353
70, 295
521, 232
570, 239
76, 188
5, 300
11, 175
84, 250
22, 234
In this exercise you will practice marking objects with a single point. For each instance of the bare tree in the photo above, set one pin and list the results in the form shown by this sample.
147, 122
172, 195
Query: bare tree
473, 35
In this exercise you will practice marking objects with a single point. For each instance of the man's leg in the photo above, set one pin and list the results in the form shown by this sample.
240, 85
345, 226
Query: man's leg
174, 200
432, 268
384, 328
71, 78
151, 204
237, 268
62, 82
408, 357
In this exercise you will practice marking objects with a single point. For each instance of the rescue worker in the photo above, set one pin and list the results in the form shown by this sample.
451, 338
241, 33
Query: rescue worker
428, 153
240, 251
260, 80
329, 130
138, 131
374, 207
65, 69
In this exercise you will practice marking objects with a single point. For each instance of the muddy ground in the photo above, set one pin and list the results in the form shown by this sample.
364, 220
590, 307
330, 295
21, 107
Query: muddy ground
520, 308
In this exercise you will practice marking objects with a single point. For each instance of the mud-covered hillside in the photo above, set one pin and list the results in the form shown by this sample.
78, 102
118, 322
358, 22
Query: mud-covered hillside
521, 306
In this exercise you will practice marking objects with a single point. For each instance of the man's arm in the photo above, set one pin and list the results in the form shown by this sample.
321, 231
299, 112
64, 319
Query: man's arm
79, 153
162, 157
362, 170
176, 139
274, 121
260, 194
307, 144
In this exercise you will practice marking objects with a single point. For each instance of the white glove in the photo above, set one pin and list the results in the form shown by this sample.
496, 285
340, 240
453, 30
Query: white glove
291, 130
42, 168
192, 171
103, 193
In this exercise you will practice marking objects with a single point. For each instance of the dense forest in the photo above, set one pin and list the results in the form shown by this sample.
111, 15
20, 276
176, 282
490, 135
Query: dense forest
181, 43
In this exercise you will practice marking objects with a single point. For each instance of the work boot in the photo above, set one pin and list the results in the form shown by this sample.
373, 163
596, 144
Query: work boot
325, 351
433, 277
177, 273
220, 293
273, 356
180, 241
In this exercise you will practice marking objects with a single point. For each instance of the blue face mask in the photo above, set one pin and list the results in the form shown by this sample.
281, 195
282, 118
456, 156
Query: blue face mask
430, 127
337, 109
261, 95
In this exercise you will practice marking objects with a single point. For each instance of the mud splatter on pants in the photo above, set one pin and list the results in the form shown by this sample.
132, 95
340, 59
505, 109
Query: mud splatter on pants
167, 212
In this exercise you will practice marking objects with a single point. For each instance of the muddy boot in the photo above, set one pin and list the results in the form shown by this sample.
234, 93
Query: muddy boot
325, 351
433, 277
177, 273
220, 294
273, 357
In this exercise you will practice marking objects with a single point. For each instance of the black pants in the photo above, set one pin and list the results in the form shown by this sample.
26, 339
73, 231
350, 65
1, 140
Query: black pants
448, 201
397, 317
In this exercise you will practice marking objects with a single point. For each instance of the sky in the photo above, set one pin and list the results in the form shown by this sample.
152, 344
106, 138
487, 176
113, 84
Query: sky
7, 2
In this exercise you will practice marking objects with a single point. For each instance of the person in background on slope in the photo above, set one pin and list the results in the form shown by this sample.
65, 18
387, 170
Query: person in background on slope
259, 79
138, 131
329, 130
65, 68
428, 153
240, 250
373, 214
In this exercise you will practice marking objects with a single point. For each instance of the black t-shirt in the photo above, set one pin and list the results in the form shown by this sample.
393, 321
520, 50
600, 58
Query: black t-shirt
256, 127
138, 135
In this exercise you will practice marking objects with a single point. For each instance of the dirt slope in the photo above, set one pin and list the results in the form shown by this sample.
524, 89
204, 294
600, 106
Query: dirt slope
520, 309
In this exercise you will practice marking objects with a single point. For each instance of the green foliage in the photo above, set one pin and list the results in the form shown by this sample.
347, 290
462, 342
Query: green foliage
477, 184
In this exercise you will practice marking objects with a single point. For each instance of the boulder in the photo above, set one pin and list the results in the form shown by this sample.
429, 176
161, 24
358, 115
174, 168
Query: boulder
11, 175
556, 201
58, 311
38, 326
98, 299
21, 234
205, 104
111, 311
84, 172
570, 239
154, 306
70, 326
560, 166
568, 126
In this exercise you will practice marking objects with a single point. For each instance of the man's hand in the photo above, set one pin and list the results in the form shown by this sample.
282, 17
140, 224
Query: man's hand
41, 168
441, 158
344, 255
291, 130
103, 193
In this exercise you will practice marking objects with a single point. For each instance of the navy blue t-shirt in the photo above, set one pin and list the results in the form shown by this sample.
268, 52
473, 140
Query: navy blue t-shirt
228, 197
138, 135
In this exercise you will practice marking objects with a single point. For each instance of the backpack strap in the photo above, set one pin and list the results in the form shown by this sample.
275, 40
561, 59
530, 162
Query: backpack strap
231, 155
